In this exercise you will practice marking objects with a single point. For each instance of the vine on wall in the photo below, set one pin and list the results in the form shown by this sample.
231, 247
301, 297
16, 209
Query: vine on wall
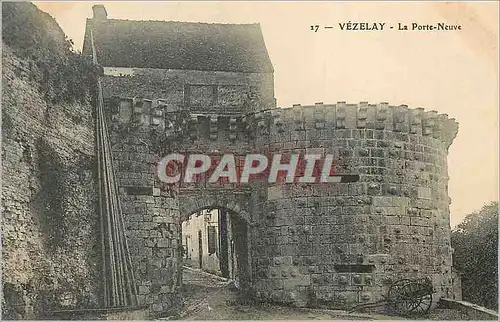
62, 74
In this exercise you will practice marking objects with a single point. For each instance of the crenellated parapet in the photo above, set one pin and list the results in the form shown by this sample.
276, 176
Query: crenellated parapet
382, 116
169, 119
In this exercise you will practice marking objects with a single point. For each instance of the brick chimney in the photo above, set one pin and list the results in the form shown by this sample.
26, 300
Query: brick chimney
99, 12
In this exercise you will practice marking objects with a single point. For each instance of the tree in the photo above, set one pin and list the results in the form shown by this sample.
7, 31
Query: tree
475, 243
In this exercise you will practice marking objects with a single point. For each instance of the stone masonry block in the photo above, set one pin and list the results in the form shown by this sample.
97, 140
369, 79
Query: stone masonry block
294, 282
424, 193
390, 201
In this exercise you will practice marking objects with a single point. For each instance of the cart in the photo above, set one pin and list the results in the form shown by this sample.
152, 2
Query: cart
405, 297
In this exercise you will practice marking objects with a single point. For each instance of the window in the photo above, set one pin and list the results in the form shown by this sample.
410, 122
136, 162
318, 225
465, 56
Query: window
212, 240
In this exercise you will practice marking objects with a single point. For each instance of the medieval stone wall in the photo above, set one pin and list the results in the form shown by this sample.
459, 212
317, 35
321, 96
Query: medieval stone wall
343, 242
152, 211
201, 91
346, 242
144, 130
50, 233
151, 219
339, 243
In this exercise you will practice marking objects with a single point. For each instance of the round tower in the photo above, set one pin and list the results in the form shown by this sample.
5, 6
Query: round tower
346, 243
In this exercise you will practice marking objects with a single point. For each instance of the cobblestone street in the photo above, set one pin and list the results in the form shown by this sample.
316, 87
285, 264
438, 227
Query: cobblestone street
208, 297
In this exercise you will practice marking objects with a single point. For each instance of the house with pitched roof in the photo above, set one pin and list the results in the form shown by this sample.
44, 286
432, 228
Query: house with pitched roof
203, 67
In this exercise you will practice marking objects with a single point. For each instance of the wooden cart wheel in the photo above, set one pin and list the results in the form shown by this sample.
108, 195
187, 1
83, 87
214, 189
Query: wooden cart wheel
410, 298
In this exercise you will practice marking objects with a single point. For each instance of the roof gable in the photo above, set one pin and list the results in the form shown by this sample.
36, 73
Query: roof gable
179, 45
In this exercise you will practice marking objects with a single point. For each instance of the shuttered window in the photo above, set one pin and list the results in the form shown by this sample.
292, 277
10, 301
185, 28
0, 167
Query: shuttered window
212, 240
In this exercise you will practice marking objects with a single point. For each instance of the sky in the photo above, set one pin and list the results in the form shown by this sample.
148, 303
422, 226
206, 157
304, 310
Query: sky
452, 72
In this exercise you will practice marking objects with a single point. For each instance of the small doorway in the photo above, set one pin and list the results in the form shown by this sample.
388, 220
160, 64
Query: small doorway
200, 250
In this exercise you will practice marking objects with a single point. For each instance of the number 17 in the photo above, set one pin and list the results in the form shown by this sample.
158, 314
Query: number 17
315, 28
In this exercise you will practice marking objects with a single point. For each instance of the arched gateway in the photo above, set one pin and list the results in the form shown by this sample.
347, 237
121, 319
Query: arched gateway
340, 243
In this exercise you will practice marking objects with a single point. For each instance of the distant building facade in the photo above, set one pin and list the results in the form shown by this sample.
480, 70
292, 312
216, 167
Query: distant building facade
207, 242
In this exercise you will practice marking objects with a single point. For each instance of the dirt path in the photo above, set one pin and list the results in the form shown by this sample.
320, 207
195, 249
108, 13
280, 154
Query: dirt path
208, 297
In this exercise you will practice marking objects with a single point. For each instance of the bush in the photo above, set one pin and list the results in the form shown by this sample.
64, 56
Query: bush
62, 74
475, 242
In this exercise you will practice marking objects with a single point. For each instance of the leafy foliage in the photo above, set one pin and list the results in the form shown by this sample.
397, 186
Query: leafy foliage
475, 241
62, 74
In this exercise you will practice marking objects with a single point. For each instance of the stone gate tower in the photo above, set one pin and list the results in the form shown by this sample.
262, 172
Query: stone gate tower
208, 88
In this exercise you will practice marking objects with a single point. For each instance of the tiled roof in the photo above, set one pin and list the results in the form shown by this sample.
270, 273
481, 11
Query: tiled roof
179, 45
